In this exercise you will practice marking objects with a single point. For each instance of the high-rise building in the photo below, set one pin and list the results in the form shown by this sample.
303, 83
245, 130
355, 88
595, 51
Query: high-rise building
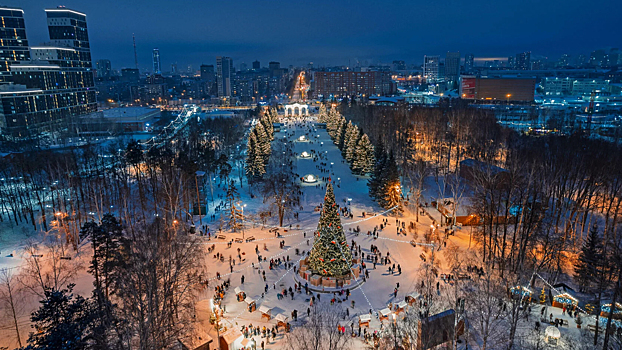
256, 65
351, 83
469, 63
67, 28
511, 62
207, 72
103, 68
157, 67
430, 67
275, 69
174, 68
523, 61
13, 41
452, 66
46, 91
224, 68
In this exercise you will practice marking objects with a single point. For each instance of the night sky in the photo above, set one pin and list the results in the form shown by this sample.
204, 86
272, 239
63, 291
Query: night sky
333, 32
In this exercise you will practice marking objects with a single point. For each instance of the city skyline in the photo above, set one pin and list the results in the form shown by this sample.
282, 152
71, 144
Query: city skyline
339, 34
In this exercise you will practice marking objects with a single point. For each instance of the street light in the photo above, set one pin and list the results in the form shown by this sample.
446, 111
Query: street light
198, 174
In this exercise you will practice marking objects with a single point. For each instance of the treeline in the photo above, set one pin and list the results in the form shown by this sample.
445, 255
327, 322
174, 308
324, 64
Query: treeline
258, 148
135, 181
356, 148
536, 197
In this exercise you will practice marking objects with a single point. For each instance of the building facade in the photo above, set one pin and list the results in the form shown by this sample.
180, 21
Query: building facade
351, 83
452, 66
46, 92
497, 89
431, 67
224, 69
157, 66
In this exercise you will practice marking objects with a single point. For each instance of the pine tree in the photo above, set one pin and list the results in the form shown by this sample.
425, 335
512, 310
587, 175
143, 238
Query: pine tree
349, 143
263, 143
590, 258
255, 166
375, 181
339, 133
390, 191
330, 255
235, 214
363, 159
322, 114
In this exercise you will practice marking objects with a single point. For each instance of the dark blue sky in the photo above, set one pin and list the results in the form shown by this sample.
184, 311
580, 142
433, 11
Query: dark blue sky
333, 32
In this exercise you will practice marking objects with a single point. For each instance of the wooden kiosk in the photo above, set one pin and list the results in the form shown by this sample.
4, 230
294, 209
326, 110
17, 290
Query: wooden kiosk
400, 307
281, 320
565, 299
412, 298
239, 293
521, 292
364, 320
265, 312
384, 313
251, 304
617, 312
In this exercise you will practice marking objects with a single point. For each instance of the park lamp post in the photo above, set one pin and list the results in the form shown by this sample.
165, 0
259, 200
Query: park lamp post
199, 174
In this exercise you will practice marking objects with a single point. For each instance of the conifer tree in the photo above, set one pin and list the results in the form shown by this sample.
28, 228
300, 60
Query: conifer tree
322, 114
590, 258
363, 158
330, 255
350, 140
235, 214
339, 133
263, 144
374, 183
255, 166
390, 191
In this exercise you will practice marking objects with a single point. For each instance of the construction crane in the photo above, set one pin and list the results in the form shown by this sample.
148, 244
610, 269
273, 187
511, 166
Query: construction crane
590, 112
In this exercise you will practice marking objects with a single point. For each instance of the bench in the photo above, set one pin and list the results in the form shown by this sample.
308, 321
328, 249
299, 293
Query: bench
591, 327
250, 239
221, 237
239, 240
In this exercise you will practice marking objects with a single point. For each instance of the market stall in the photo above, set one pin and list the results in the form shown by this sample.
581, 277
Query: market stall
617, 312
240, 294
265, 312
384, 314
401, 307
251, 304
412, 298
364, 320
565, 300
281, 320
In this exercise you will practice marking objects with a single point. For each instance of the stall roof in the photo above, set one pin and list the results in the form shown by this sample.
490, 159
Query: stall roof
385, 312
264, 309
232, 335
249, 300
238, 290
365, 318
281, 318
402, 304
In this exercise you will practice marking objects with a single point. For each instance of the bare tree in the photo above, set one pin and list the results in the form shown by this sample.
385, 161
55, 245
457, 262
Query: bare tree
280, 184
11, 300
320, 331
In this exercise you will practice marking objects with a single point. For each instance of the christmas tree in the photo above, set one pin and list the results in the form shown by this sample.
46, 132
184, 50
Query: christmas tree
235, 214
330, 255
376, 180
255, 166
363, 157
322, 114
390, 191
350, 140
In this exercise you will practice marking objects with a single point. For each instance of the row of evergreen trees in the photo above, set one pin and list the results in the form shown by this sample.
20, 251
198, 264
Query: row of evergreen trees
258, 147
355, 146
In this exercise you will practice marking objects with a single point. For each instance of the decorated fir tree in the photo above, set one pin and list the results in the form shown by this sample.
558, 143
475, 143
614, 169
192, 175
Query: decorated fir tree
330, 255
322, 114
363, 158
350, 140
235, 214
390, 191
255, 166
375, 182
